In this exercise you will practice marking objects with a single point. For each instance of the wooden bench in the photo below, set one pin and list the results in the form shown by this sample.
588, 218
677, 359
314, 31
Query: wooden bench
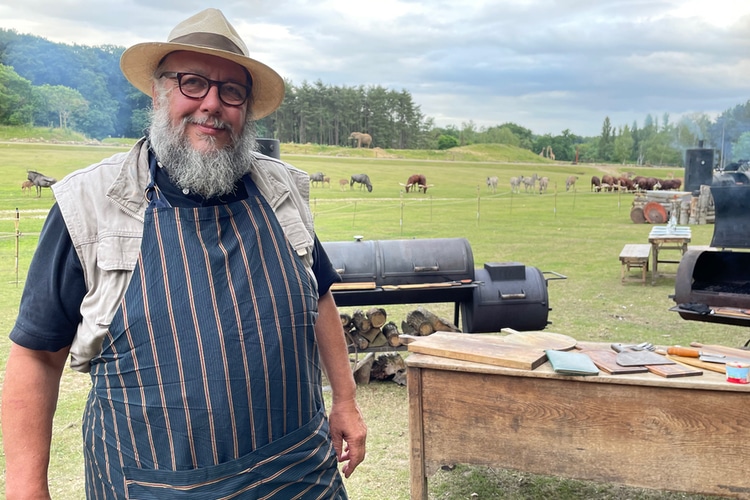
635, 256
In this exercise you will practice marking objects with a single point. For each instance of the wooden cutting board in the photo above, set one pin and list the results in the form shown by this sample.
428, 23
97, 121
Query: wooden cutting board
672, 371
542, 340
606, 361
697, 363
479, 348
721, 350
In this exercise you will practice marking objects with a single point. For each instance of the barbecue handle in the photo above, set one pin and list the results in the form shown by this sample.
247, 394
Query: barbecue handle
684, 351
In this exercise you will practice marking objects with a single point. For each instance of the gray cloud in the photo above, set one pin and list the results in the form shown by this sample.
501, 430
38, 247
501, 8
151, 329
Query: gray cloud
544, 64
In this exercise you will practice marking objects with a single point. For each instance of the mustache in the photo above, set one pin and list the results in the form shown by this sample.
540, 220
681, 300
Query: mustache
211, 122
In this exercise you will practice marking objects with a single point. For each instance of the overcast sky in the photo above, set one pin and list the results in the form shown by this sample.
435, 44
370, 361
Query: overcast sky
546, 65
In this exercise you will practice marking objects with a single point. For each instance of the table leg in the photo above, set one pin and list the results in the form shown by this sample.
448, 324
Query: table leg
655, 263
417, 469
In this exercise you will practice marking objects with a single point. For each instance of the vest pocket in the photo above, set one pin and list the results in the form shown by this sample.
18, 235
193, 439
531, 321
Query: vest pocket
118, 253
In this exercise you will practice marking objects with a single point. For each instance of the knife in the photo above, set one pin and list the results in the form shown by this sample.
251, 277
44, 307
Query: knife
696, 353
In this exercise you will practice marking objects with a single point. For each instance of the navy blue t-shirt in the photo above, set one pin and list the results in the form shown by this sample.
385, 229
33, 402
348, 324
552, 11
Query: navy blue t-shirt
49, 312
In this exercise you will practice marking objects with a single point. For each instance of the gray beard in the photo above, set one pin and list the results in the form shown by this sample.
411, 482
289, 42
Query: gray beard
208, 174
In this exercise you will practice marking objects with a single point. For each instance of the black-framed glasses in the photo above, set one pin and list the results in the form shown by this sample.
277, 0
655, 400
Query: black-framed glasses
196, 87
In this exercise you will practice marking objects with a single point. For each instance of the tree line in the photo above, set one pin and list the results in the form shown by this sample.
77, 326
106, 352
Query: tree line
81, 87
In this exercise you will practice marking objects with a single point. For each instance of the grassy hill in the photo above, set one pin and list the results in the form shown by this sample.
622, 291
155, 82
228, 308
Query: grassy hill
474, 153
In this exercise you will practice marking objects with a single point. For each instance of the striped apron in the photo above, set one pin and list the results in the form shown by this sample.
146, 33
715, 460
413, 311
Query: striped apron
208, 384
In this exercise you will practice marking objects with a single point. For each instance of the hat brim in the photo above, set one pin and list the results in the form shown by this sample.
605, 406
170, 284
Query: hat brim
139, 62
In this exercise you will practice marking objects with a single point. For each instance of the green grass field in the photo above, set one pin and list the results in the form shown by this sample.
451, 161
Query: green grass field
575, 233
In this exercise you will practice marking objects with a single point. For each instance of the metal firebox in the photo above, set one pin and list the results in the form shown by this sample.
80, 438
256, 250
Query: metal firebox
508, 295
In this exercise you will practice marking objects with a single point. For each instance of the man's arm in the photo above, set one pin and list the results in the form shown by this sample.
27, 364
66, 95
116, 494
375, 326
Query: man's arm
348, 429
32, 381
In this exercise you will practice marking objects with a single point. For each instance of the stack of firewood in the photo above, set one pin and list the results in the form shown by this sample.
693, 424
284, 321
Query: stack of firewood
367, 328
371, 328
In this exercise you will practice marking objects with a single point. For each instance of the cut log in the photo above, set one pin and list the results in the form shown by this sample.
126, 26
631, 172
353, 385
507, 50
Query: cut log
346, 321
379, 340
407, 329
423, 322
377, 317
370, 335
360, 321
363, 369
390, 330
425, 328
387, 367
361, 342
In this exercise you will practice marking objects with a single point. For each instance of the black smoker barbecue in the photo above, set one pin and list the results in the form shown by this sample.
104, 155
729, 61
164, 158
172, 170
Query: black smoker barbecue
499, 295
718, 280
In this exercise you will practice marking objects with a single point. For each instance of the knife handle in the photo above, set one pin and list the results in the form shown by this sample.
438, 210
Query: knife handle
684, 351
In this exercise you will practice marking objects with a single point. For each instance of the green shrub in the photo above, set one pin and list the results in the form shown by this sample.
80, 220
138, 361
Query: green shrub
447, 142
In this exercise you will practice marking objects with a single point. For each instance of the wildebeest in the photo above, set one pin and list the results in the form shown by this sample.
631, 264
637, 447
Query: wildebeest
515, 184
40, 181
596, 183
343, 183
416, 181
363, 180
317, 178
492, 183
570, 182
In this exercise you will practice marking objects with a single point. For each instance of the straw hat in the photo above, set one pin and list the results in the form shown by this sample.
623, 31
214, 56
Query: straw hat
207, 32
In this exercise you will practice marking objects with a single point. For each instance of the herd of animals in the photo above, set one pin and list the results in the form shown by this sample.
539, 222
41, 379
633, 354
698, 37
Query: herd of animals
627, 182
418, 183
36, 181
415, 182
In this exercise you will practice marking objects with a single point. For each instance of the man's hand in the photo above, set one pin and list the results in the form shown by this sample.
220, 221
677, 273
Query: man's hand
349, 433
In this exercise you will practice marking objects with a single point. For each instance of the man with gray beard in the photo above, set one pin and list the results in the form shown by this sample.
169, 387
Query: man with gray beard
210, 173
186, 277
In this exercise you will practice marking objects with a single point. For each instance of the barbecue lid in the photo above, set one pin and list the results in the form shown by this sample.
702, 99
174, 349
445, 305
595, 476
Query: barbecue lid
731, 194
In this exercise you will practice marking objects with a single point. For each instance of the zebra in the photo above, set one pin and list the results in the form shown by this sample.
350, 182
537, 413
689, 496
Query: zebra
492, 184
529, 182
515, 184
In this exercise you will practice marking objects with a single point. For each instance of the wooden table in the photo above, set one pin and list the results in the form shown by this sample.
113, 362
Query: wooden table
661, 238
686, 434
